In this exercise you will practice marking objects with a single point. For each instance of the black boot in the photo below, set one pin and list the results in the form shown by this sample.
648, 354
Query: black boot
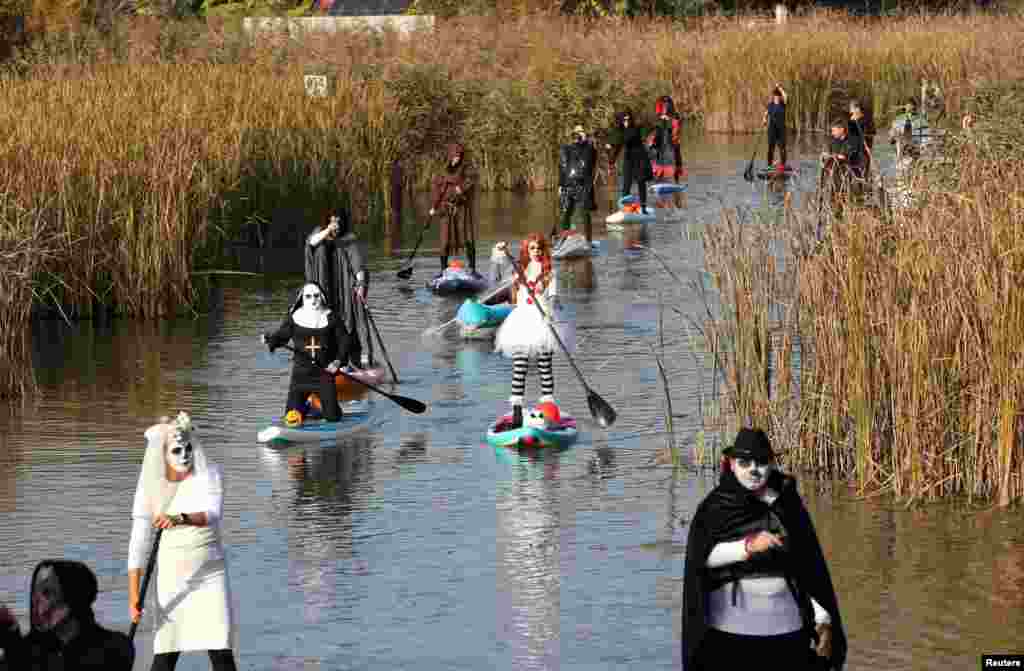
444, 263
471, 256
517, 416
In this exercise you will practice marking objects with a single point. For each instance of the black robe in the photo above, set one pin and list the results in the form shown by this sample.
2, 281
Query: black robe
324, 345
730, 506
576, 164
333, 264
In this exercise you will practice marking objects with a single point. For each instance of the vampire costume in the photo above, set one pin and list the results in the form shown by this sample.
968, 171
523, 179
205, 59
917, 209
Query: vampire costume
321, 337
336, 260
64, 633
756, 587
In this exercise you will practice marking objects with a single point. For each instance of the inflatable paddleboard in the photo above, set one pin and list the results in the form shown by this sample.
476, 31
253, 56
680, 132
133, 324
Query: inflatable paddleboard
458, 280
373, 375
667, 188
631, 212
479, 321
775, 173
354, 414
561, 435
574, 246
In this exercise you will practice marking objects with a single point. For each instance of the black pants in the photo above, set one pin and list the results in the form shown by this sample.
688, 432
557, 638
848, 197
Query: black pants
721, 650
632, 172
323, 386
220, 660
776, 138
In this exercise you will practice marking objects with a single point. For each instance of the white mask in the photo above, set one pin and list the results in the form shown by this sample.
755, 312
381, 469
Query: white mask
752, 474
312, 298
180, 454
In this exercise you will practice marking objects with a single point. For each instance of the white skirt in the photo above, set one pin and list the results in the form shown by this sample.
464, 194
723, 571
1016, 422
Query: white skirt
193, 607
525, 333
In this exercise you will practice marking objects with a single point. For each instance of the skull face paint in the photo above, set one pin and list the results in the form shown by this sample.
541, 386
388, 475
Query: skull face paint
49, 608
752, 474
312, 298
180, 453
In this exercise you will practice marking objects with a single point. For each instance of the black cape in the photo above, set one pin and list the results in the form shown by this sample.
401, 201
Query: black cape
730, 506
333, 264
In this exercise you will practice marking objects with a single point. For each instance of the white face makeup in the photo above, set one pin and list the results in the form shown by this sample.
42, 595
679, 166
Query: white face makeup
180, 454
752, 474
312, 299
534, 250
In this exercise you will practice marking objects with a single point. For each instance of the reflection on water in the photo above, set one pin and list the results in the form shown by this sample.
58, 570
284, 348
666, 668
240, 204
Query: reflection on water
411, 543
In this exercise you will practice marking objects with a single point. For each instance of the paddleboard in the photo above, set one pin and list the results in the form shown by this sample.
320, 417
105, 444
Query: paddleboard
667, 188
574, 246
625, 215
561, 435
478, 321
457, 280
774, 173
354, 414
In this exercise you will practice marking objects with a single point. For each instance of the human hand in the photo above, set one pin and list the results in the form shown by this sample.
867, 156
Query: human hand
135, 613
458, 190
361, 293
7, 618
824, 648
333, 367
433, 211
166, 521
762, 542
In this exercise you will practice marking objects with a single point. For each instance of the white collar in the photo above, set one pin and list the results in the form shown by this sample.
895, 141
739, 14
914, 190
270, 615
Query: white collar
311, 319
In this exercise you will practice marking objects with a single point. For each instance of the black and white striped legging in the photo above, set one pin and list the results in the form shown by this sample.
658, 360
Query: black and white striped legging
520, 364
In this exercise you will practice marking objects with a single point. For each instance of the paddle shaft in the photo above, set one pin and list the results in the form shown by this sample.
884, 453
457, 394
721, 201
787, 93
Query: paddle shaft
408, 262
410, 404
373, 325
145, 580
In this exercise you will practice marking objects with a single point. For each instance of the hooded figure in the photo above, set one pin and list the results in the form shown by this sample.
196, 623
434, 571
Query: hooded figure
576, 163
336, 260
452, 194
181, 492
629, 138
666, 154
63, 633
325, 345
756, 586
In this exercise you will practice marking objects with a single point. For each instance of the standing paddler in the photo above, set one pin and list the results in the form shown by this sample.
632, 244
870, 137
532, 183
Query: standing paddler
756, 588
666, 153
576, 163
627, 137
336, 261
451, 196
775, 121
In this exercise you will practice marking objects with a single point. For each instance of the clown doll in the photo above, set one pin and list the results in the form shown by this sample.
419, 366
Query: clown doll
325, 343
525, 332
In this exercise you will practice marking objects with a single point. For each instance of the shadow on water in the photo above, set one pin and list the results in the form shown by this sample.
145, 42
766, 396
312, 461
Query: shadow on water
411, 543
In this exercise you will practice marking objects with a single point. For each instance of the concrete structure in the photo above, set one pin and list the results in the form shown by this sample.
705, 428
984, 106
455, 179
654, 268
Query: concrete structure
296, 27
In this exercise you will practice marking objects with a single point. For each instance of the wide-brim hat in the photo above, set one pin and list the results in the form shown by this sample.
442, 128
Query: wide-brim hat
751, 444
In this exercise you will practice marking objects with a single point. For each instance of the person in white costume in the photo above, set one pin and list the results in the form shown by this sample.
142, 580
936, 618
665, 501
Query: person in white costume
181, 492
525, 333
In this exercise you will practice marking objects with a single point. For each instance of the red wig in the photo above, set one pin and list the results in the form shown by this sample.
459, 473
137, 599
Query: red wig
524, 260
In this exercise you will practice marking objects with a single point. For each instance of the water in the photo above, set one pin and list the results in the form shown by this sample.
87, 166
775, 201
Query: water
412, 544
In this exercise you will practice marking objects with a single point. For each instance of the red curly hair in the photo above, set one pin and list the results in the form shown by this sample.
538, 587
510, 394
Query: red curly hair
524, 260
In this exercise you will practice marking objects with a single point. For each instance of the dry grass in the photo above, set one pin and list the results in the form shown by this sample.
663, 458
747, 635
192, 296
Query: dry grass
911, 369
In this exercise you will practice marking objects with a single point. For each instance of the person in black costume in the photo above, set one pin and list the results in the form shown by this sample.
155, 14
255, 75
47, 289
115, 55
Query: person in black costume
64, 633
629, 138
320, 334
336, 260
775, 120
756, 588
576, 163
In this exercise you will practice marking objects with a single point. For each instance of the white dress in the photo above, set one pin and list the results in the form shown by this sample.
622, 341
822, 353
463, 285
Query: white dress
525, 333
192, 610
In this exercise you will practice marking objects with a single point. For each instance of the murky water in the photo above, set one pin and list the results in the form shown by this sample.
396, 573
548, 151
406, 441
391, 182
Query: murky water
411, 544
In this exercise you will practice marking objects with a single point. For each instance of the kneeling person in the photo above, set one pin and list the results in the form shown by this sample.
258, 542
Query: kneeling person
324, 342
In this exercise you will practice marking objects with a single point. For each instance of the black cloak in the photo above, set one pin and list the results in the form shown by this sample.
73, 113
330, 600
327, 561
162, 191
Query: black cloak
729, 506
94, 648
334, 264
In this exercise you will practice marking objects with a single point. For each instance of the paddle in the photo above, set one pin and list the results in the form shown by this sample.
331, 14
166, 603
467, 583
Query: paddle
434, 330
373, 325
748, 174
406, 273
145, 580
410, 404
599, 408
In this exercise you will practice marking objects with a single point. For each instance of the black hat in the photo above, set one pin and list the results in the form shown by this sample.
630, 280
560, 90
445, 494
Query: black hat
751, 444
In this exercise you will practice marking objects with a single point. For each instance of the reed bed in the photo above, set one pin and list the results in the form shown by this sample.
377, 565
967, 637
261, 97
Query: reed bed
909, 324
148, 146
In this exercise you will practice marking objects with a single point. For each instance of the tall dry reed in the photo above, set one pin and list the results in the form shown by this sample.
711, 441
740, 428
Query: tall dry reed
911, 357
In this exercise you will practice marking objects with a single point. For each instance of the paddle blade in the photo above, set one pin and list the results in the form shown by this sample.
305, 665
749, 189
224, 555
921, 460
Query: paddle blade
602, 413
410, 404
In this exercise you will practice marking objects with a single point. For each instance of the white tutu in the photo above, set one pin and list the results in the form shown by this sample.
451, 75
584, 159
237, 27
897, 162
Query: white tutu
524, 332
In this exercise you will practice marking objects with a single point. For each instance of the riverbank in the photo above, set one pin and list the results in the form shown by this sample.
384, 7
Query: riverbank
889, 351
